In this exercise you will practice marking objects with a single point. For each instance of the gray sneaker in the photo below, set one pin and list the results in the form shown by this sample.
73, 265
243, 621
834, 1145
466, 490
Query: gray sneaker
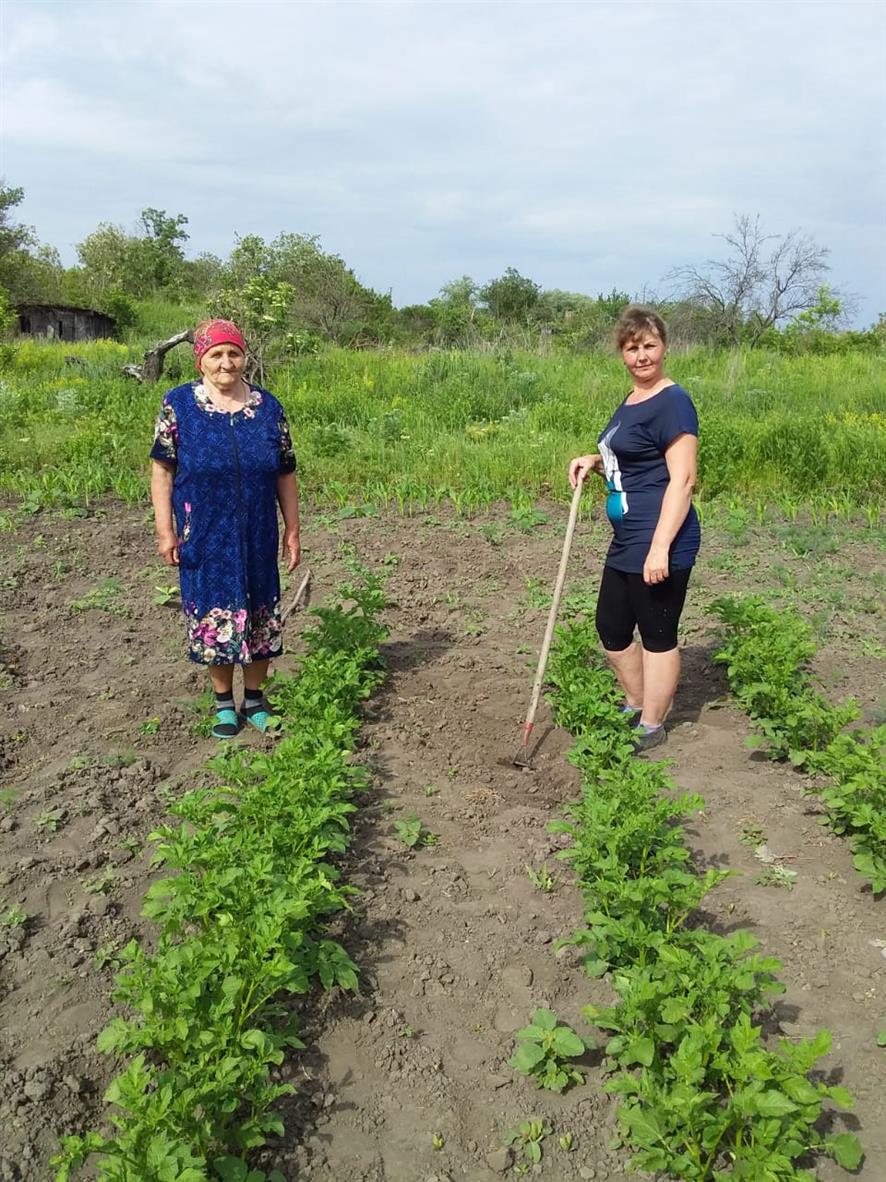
645, 740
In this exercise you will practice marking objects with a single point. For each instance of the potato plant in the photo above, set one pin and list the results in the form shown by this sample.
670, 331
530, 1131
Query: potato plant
241, 913
766, 654
704, 1096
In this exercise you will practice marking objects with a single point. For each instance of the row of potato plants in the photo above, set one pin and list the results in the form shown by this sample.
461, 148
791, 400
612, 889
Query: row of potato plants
242, 915
766, 653
705, 1096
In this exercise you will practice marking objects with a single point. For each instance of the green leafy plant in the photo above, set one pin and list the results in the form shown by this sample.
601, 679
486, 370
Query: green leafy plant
107, 955
412, 832
248, 889
544, 1052
542, 879
702, 1096
104, 597
528, 1138
526, 517
165, 594
751, 835
776, 875
51, 819
101, 883
766, 654
14, 917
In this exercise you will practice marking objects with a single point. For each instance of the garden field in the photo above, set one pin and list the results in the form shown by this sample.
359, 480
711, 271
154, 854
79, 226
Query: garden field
443, 474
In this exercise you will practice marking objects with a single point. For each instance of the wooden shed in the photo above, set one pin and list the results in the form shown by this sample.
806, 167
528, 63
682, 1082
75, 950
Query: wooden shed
61, 322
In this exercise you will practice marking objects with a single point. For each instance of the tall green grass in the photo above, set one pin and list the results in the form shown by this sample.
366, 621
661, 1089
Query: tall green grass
399, 428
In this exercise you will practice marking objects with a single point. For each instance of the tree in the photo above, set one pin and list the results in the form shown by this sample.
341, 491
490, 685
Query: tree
763, 280
159, 246
454, 310
108, 261
328, 295
136, 265
15, 241
511, 297
12, 236
30, 271
262, 309
202, 275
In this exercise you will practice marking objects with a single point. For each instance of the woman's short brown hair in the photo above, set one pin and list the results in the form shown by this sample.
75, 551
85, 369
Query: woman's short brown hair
636, 318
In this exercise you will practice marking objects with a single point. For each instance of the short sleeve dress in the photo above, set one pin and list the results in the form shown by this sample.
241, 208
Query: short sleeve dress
224, 497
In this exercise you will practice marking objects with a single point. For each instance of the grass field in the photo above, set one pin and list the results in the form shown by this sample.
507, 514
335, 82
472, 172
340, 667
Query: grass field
411, 430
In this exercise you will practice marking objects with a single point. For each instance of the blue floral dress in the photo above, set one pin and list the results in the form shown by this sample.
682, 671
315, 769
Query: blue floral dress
224, 498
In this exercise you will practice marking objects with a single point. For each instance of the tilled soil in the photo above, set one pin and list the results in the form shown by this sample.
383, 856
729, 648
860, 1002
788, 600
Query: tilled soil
100, 722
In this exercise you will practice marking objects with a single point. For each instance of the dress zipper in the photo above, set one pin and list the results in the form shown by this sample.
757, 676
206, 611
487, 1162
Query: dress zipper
240, 521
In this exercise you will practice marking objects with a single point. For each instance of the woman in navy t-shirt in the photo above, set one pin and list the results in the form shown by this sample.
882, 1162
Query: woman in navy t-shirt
647, 458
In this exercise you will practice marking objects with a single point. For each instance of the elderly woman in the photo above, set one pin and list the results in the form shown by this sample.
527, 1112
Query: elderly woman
222, 461
648, 459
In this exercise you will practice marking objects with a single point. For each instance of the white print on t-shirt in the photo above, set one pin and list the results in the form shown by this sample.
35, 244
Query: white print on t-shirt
613, 472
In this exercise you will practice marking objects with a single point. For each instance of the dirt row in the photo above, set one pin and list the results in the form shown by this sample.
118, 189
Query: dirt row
101, 720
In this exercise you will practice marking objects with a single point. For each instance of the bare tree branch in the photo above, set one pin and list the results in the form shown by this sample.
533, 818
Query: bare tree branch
763, 280
152, 366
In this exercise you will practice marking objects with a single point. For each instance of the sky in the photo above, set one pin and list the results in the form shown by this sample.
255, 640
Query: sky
589, 145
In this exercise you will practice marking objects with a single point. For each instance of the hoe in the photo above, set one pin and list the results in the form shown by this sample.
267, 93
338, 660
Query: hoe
523, 757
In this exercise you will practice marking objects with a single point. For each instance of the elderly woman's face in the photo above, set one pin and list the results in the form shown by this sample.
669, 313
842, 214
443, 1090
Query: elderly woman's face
643, 355
223, 365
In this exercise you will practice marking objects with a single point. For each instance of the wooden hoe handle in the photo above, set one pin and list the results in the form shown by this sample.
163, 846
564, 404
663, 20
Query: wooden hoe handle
552, 614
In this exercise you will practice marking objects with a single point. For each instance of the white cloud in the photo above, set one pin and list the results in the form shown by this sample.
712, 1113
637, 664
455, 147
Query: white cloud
50, 113
425, 139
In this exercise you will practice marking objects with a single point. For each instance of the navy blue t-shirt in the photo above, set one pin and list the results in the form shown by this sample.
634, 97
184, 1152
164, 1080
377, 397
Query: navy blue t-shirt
632, 446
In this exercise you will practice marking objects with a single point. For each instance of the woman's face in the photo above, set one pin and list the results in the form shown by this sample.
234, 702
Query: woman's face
643, 355
223, 365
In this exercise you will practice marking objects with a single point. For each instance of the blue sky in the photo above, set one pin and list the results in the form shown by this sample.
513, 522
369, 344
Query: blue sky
589, 145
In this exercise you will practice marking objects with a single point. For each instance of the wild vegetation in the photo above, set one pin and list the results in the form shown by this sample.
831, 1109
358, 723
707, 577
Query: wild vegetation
291, 295
395, 428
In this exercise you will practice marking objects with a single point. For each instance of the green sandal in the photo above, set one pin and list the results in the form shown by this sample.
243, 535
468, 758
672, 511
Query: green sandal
260, 717
227, 724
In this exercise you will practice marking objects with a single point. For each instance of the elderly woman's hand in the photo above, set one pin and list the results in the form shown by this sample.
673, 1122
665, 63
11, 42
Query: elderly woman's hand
167, 545
291, 549
582, 465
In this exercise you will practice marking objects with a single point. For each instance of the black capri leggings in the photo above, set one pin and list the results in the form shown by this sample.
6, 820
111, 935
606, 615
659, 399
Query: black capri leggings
626, 602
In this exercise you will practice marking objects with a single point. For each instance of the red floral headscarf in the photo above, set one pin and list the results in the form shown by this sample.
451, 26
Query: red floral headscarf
216, 332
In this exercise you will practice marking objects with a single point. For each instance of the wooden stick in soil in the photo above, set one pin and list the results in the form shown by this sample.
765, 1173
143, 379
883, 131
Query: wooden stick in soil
521, 759
299, 595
